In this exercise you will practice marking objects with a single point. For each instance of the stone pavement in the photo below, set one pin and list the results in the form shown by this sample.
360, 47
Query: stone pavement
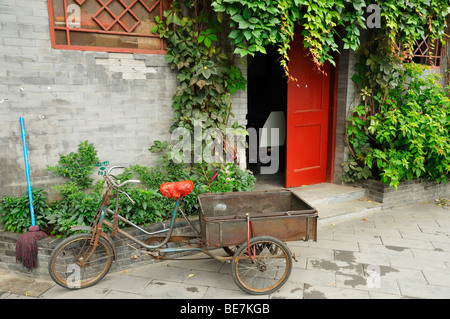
402, 252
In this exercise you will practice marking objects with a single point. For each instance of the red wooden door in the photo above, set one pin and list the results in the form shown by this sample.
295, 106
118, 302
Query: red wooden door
307, 119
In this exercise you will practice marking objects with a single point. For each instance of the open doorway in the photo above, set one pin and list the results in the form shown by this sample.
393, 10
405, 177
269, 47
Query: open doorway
267, 99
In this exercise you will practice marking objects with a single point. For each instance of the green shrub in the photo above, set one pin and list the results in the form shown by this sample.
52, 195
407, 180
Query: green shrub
408, 139
15, 211
411, 130
76, 207
80, 199
79, 166
157, 206
148, 206
230, 178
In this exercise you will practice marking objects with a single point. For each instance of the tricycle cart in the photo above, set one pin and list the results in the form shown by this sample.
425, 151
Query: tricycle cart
250, 226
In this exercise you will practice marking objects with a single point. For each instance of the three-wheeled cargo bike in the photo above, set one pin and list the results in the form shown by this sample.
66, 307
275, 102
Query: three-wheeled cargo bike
251, 227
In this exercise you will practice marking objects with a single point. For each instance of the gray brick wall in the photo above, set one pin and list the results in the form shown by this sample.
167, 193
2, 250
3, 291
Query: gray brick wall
120, 102
406, 192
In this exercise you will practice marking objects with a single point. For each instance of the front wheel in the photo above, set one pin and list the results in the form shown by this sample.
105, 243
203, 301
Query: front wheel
75, 263
269, 269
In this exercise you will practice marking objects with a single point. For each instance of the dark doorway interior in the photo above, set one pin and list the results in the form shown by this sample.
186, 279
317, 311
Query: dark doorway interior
267, 92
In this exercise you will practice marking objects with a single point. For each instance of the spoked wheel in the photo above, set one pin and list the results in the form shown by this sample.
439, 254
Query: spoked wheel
74, 264
269, 269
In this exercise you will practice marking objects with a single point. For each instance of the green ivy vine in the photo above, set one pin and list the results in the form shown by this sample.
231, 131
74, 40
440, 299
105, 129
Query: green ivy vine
206, 38
258, 23
398, 129
207, 75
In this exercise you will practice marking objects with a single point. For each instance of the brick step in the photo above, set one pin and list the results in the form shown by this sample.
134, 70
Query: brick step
327, 193
357, 208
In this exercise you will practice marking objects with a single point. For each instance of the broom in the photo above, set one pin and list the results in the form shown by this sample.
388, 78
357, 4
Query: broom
26, 245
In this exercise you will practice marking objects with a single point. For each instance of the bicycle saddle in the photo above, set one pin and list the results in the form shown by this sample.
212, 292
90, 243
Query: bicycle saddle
176, 189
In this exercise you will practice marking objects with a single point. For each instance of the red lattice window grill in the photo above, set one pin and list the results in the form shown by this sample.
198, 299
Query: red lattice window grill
106, 25
428, 53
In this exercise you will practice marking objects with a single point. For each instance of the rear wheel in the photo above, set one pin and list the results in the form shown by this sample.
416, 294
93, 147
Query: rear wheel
75, 263
268, 271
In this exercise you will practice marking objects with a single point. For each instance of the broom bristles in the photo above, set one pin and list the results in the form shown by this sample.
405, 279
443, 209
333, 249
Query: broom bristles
27, 247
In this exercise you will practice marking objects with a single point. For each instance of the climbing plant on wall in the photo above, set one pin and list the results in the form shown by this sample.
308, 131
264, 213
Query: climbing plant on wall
257, 23
206, 73
207, 37
387, 135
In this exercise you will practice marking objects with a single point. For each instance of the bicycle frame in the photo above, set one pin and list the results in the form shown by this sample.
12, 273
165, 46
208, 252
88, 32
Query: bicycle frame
100, 220
158, 248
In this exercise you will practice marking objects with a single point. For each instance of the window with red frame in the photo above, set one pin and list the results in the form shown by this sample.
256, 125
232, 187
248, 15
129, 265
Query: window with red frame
428, 52
106, 25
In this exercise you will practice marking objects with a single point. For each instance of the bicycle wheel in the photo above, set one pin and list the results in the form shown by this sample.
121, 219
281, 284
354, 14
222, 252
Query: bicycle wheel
268, 271
74, 264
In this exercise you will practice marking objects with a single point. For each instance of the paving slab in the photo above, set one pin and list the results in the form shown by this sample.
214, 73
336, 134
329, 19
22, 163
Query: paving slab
58, 292
22, 285
328, 292
125, 282
437, 278
414, 290
416, 263
159, 289
313, 277
335, 266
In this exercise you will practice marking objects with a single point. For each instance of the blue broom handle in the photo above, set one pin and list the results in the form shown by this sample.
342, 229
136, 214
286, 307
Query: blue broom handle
27, 169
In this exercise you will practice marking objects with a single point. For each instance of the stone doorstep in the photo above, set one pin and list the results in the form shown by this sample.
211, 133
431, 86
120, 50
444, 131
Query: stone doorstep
350, 209
328, 193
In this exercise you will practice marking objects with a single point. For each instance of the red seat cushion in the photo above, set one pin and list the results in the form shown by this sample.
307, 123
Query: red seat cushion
176, 189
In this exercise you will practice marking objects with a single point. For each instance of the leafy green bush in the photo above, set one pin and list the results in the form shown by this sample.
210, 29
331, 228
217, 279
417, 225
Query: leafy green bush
79, 166
230, 178
80, 199
151, 178
76, 207
408, 138
411, 131
15, 211
148, 206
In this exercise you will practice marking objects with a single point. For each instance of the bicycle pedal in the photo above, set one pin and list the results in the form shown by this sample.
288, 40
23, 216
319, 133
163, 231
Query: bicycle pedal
135, 256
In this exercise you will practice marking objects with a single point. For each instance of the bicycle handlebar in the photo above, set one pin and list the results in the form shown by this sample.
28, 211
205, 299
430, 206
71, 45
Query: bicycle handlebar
121, 184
